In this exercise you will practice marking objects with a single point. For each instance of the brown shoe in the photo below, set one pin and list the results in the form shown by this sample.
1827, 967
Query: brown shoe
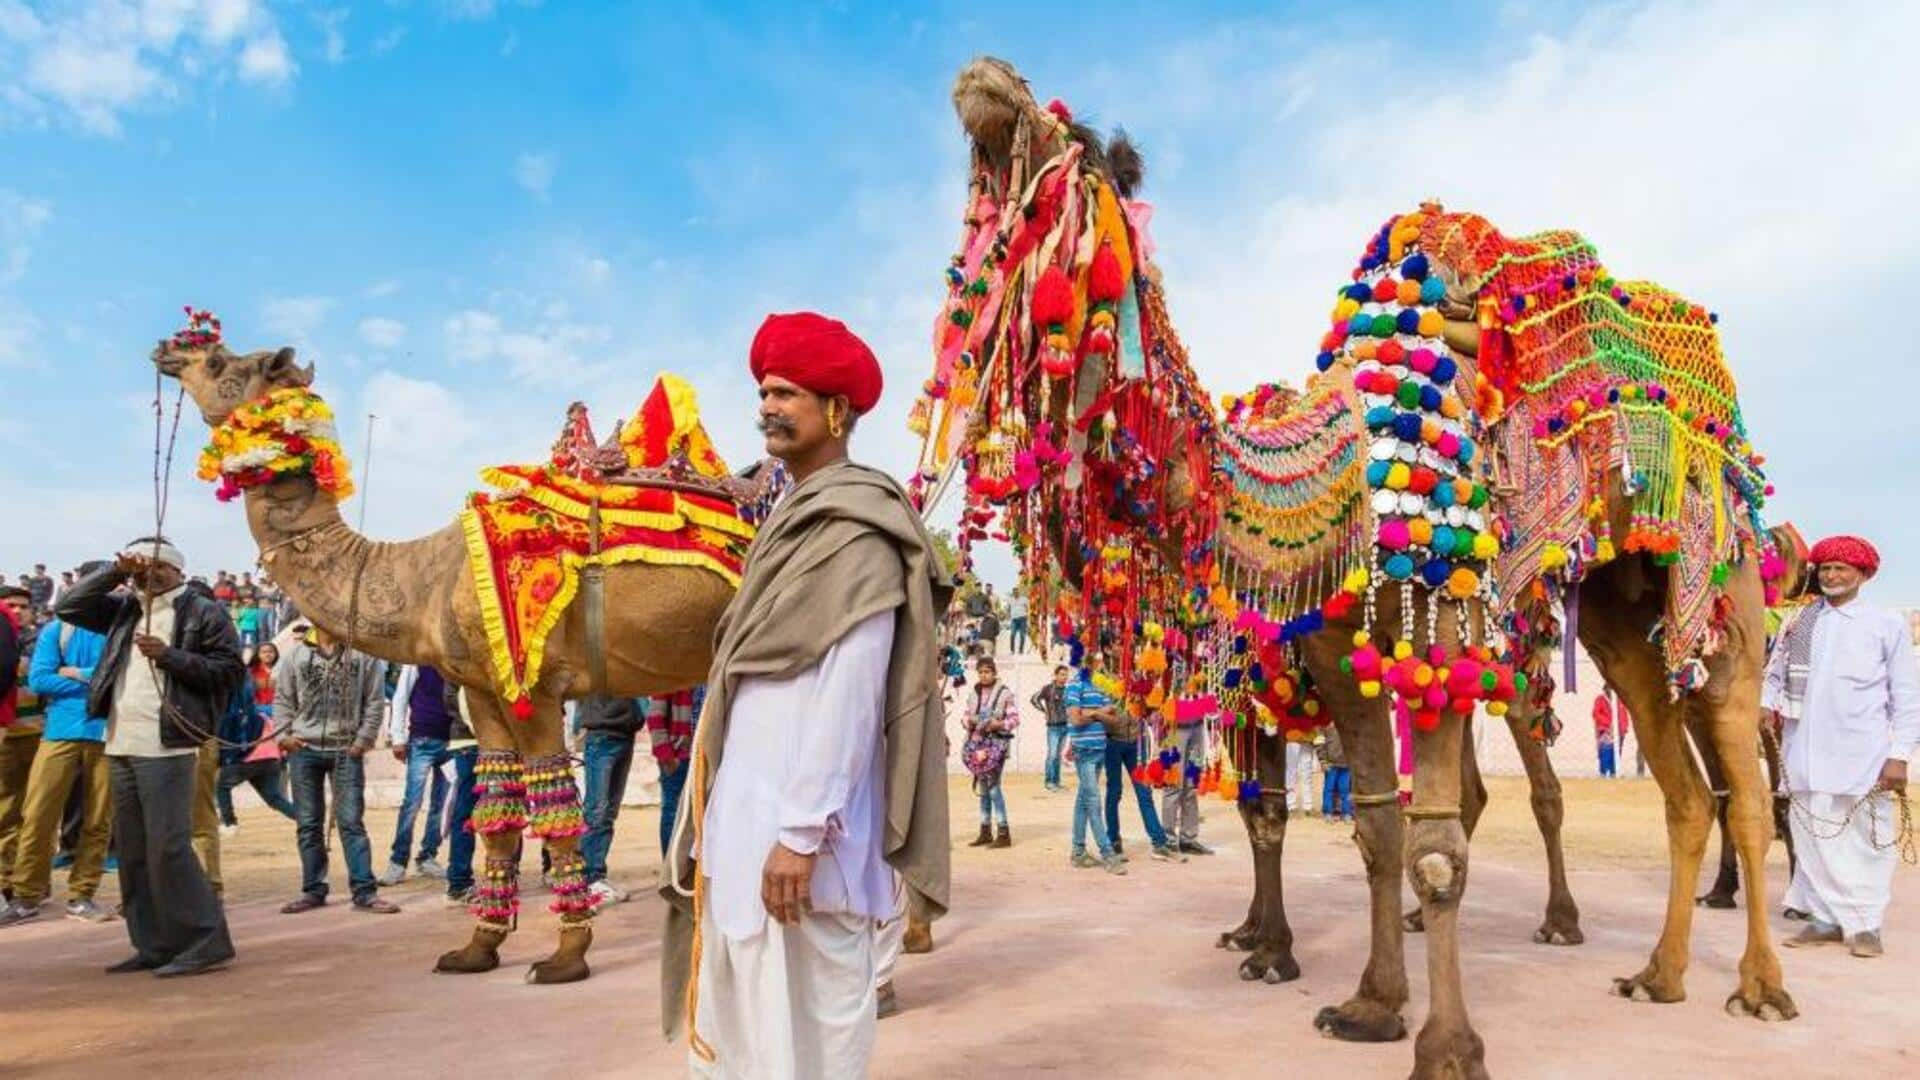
1005, 839
307, 902
985, 837
1865, 945
1815, 934
918, 938
376, 906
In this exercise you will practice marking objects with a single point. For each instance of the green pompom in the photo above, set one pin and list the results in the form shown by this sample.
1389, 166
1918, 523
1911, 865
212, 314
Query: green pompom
1383, 326
1721, 571
1408, 395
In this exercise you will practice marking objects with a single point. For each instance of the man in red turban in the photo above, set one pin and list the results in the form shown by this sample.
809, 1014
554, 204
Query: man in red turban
1843, 688
815, 378
819, 777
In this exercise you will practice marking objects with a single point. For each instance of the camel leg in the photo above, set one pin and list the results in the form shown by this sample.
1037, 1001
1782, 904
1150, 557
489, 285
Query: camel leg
1726, 882
1447, 1045
555, 818
1473, 803
1615, 636
1272, 952
1241, 938
1770, 746
1372, 1014
1562, 924
1730, 707
499, 813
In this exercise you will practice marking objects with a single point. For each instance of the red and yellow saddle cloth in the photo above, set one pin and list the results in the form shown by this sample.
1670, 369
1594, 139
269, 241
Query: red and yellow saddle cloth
529, 541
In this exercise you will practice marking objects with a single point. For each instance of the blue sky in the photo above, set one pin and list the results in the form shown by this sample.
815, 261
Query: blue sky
469, 213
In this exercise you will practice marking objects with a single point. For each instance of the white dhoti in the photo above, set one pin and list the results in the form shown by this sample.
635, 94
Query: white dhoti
1843, 879
789, 1003
889, 935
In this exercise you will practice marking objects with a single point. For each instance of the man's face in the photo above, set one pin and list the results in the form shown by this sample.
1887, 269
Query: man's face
18, 605
1060, 677
1096, 662
793, 419
154, 578
1840, 580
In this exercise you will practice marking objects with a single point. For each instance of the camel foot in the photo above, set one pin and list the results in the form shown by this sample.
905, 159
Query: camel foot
480, 954
918, 937
1239, 939
1647, 987
1715, 900
1413, 922
1764, 1003
1269, 965
1360, 1020
1463, 1059
568, 963
1553, 934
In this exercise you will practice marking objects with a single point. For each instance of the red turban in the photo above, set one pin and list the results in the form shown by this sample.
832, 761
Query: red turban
818, 354
1851, 550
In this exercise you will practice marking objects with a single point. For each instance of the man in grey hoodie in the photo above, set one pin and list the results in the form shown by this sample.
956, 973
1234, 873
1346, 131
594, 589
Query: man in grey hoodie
331, 701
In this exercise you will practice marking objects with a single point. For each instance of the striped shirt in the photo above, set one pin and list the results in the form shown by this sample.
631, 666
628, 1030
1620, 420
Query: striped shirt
1083, 694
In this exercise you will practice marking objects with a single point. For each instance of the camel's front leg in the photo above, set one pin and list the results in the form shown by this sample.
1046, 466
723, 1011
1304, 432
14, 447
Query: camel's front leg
1447, 1045
1562, 924
1272, 945
554, 816
499, 813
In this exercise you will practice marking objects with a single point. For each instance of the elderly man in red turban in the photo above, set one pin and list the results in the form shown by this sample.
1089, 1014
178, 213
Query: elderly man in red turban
1843, 688
819, 763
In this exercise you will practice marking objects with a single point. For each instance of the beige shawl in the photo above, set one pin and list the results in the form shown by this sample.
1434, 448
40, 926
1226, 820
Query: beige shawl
842, 545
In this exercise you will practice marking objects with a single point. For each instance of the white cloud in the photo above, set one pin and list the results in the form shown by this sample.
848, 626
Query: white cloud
382, 289
332, 24
295, 318
480, 9
89, 62
389, 41
19, 337
556, 349
265, 60
21, 218
534, 172
382, 333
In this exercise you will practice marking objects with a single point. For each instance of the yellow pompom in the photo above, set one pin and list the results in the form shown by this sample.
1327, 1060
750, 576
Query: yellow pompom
1485, 546
1398, 476
1356, 580
1431, 323
1346, 309
1423, 675
1360, 639
1370, 688
1312, 707
1603, 551
1496, 708
1402, 649
1553, 557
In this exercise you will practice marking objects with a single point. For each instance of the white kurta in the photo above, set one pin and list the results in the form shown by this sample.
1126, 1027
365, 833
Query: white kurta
803, 766
1860, 709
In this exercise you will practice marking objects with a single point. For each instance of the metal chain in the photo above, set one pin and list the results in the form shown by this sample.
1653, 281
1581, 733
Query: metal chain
1902, 838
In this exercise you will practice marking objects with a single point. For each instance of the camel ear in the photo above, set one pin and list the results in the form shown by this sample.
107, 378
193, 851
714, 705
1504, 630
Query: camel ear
281, 370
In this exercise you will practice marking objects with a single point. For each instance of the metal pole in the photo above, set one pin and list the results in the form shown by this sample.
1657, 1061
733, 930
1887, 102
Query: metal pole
366, 475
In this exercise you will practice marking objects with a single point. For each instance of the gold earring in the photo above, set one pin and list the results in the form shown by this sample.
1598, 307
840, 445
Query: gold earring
833, 422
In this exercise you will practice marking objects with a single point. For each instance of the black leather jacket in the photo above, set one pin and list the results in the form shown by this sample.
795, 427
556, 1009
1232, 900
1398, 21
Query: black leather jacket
202, 668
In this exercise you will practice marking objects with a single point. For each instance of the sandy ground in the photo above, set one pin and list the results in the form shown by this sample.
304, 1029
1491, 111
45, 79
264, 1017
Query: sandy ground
1041, 970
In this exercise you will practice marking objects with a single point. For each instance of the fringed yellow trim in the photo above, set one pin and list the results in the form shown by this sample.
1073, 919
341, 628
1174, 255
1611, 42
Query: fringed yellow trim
684, 511
491, 617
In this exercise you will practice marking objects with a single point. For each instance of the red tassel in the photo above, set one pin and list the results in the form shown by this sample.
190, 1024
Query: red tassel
1052, 299
523, 709
1106, 281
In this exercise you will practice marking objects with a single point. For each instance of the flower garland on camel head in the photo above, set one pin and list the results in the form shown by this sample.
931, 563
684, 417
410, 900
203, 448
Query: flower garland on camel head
285, 432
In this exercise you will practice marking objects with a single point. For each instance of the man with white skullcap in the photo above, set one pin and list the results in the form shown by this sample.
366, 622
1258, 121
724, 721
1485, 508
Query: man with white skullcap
171, 661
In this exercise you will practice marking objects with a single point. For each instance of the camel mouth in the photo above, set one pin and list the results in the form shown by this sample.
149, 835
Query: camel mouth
990, 97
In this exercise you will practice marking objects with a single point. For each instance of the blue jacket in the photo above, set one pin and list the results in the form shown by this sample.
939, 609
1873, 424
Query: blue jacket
240, 727
66, 699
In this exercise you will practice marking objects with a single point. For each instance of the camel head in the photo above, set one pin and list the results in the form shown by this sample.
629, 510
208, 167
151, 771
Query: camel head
1005, 124
220, 380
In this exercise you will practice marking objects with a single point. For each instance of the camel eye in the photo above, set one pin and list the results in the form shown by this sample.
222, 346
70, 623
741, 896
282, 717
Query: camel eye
216, 363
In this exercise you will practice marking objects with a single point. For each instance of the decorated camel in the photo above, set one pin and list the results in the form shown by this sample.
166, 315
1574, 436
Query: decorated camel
1504, 446
604, 570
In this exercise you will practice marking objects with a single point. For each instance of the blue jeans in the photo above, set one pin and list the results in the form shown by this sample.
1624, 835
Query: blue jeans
460, 838
424, 758
993, 801
311, 769
1121, 758
1606, 761
1088, 814
671, 785
1336, 792
1018, 641
1056, 742
608, 756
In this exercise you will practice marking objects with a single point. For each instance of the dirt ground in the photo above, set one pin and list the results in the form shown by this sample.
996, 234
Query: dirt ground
1040, 970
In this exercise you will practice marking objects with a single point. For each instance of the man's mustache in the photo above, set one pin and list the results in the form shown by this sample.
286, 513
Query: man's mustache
770, 425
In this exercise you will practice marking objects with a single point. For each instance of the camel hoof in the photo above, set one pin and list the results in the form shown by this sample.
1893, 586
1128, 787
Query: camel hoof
568, 964
479, 955
1717, 901
1555, 936
1271, 970
1360, 1021
1774, 1006
1413, 922
1638, 989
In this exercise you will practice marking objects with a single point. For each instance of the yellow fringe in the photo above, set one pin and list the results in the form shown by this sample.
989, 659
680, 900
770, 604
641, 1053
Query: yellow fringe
561, 503
491, 616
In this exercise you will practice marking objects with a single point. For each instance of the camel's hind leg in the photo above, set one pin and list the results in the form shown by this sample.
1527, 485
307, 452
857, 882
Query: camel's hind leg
555, 817
1615, 635
1272, 939
500, 811
1726, 881
1372, 1014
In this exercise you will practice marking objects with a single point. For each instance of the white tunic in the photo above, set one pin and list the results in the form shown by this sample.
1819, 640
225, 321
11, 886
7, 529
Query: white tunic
803, 766
133, 723
1862, 702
